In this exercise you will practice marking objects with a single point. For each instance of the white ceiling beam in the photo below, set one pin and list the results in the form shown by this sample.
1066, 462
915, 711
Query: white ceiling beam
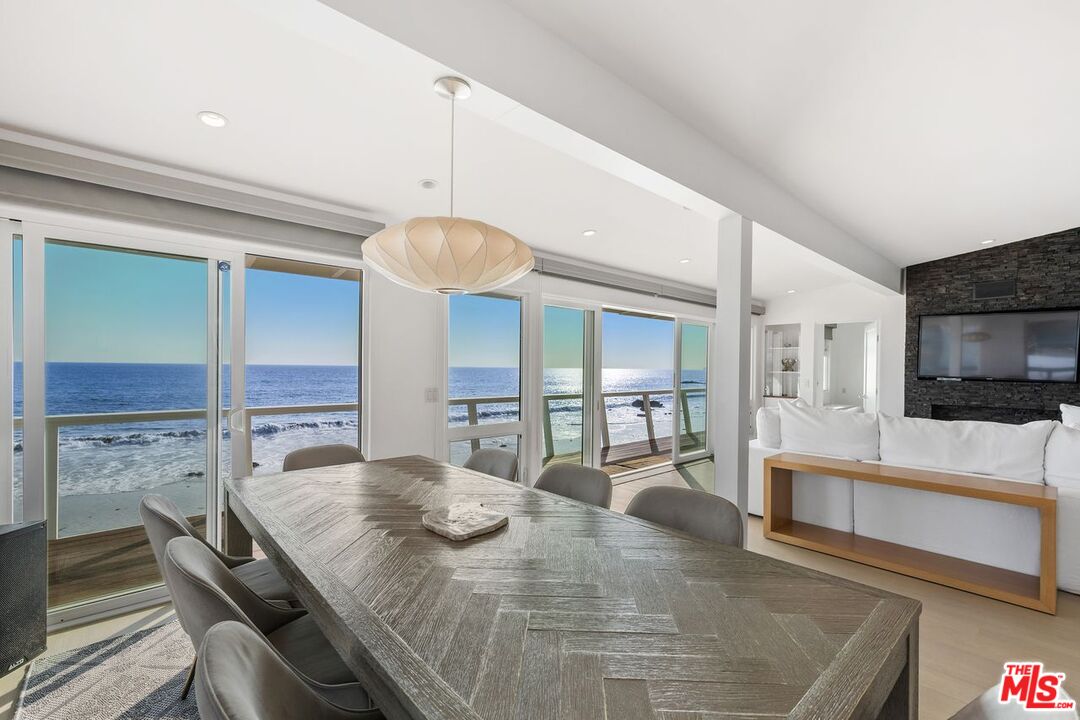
495, 45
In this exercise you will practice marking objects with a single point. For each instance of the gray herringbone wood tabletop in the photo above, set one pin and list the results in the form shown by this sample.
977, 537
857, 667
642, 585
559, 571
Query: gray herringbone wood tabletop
570, 611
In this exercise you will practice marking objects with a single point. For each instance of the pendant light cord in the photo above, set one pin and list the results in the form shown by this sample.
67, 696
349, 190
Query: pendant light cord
453, 102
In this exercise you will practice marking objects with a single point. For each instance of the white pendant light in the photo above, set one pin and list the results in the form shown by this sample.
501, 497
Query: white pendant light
448, 255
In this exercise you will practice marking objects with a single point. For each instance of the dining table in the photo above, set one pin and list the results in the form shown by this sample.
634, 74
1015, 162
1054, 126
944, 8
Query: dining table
569, 610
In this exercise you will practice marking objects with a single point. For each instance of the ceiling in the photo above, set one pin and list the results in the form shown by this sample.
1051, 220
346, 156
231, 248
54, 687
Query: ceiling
921, 127
357, 130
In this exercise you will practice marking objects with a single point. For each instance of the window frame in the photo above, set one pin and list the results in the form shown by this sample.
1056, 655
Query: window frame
38, 224
447, 434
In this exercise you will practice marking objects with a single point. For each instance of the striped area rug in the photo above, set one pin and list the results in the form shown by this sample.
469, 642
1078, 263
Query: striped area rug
139, 675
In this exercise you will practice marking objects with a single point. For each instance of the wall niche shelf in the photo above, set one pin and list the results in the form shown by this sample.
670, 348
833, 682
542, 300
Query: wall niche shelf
782, 364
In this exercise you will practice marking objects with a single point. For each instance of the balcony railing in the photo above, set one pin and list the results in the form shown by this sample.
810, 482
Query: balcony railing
472, 405
53, 423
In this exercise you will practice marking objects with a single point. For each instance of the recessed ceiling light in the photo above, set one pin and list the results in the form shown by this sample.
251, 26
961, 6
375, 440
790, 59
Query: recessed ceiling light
790, 292
213, 119
987, 242
428, 183
589, 233
684, 261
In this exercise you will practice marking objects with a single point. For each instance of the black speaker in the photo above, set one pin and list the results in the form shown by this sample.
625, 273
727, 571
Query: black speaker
23, 599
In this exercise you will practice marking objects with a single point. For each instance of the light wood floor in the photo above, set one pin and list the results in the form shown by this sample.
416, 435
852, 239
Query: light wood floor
964, 638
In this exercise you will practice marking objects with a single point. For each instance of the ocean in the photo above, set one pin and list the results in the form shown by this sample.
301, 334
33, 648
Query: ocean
104, 459
118, 458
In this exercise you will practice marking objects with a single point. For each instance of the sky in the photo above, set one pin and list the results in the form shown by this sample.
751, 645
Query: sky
631, 341
564, 337
115, 306
301, 319
485, 332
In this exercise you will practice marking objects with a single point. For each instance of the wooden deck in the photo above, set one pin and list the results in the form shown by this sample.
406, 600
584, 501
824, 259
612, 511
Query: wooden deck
628, 457
97, 565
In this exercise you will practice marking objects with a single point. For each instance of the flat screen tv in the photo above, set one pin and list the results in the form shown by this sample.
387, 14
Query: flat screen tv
1032, 346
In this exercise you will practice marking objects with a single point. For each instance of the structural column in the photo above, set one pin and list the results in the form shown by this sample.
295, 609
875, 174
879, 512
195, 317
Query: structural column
40, 489
7, 360
731, 353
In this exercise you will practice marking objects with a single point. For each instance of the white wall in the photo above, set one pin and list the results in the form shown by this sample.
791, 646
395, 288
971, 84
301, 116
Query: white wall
846, 364
404, 330
847, 303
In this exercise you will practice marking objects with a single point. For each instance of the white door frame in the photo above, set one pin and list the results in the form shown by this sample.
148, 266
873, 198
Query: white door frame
528, 452
594, 375
873, 327
9, 229
37, 225
591, 403
39, 501
676, 415
238, 420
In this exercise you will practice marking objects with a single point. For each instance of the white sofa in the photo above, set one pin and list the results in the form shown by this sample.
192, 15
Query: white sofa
997, 534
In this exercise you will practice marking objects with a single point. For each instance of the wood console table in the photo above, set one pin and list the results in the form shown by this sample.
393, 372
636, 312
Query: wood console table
1035, 592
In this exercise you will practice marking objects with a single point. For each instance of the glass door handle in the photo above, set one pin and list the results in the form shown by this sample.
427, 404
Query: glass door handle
236, 420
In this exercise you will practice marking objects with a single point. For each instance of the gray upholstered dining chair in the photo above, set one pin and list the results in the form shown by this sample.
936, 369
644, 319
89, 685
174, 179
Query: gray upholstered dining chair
164, 521
204, 592
241, 678
492, 461
577, 483
321, 456
694, 512
987, 707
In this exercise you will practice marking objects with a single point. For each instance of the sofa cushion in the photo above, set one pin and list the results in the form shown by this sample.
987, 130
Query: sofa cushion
828, 432
1063, 457
1068, 539
1070, 415
1007, 451
768, 426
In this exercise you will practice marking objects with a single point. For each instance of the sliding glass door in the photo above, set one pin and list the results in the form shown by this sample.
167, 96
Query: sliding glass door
567, 394
129, 341
138, 364
302, 369
637, 385
692, 408
10, 372
484, 373
612, 397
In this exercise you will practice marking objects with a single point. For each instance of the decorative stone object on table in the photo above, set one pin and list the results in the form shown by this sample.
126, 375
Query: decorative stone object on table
462, 521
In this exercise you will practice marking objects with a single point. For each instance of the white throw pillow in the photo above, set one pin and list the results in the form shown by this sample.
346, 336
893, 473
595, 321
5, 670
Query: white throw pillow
1070, 415
828, 432
1008, 451
768, 426
1063, 457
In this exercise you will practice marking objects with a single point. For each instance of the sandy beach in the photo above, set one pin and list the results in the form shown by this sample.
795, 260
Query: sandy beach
93, 513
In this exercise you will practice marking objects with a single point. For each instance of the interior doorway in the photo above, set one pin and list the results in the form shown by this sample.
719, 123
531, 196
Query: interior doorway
848, 359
